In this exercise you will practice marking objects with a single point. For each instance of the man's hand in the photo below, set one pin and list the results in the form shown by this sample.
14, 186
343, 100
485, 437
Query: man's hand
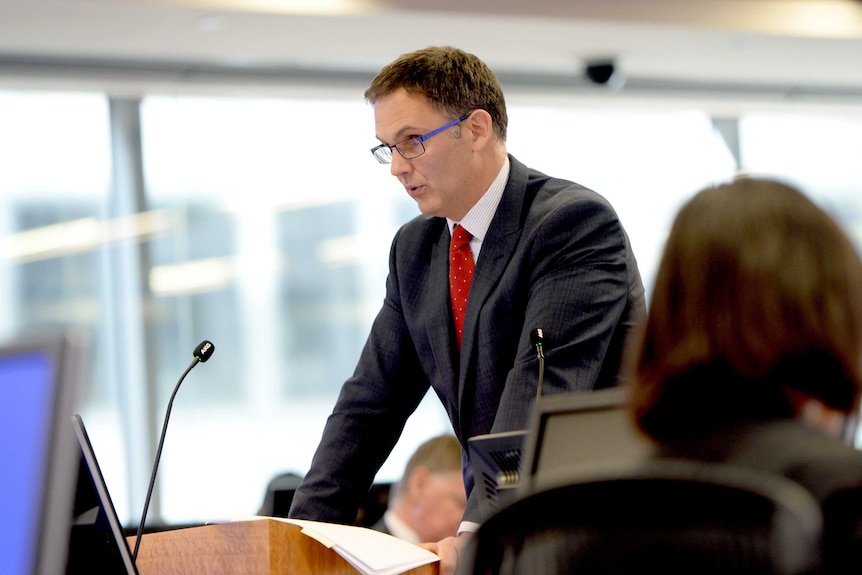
448, 550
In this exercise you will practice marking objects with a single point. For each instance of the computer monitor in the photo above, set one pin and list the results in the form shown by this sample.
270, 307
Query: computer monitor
41, 376
98, 542
574, 432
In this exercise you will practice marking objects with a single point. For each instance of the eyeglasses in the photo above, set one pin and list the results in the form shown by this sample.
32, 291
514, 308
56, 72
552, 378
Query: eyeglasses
411, 147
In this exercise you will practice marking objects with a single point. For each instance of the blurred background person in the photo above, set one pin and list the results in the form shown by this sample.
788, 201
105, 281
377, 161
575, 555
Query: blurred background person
429, 500
752, 350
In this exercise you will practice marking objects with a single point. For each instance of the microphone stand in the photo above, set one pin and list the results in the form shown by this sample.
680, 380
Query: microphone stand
194, 362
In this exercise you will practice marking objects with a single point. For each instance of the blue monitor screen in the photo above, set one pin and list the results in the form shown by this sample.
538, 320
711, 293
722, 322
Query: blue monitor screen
26, 398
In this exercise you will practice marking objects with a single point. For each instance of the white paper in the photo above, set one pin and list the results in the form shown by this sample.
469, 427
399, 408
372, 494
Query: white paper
370, 552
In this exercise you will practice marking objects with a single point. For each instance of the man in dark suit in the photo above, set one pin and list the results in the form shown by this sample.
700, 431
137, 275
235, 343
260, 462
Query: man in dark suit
547, 253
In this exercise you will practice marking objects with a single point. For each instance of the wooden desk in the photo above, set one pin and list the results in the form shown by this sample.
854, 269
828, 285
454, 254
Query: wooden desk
257, 547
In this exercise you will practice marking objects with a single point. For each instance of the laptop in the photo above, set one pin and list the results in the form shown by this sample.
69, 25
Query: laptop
41, 377
98, 543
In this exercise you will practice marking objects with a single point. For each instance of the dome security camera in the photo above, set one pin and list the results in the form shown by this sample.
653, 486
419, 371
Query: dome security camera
601, 72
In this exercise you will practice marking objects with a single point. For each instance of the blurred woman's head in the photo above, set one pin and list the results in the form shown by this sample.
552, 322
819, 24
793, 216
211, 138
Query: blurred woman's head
758, 297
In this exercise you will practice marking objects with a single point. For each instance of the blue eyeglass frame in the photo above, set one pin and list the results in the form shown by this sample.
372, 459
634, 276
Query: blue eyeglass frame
418, 139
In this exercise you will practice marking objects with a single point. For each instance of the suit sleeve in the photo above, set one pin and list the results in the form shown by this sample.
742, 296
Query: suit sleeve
585, 293
368, 417
583, 289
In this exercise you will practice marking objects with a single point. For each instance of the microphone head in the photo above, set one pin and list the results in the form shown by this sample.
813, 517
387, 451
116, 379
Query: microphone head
204, 351
537, 337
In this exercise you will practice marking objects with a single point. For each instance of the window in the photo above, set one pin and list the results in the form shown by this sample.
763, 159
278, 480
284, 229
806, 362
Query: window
816, 152
255, 233
279, 256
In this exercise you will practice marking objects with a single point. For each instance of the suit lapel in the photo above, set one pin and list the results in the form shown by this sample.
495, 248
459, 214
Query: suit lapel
440, 314
497, 249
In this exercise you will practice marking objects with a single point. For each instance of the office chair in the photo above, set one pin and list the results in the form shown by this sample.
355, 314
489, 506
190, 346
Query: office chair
279, 494
665, 516
842, 531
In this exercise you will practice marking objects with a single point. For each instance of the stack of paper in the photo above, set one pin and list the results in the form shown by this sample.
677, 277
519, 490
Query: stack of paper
370, 552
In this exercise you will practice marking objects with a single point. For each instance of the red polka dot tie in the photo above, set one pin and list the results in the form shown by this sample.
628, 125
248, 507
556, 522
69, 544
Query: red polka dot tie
460, 276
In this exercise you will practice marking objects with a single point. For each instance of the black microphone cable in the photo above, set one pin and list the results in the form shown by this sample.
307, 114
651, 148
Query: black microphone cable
201, 354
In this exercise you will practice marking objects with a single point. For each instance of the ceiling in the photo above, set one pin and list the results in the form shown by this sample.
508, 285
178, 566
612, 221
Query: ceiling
784, 49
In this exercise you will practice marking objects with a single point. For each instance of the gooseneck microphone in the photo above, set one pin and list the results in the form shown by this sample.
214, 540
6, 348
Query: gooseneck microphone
537, 338
201, 354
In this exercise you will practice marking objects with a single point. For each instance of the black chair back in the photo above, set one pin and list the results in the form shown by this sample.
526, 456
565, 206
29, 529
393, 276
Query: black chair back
667, 517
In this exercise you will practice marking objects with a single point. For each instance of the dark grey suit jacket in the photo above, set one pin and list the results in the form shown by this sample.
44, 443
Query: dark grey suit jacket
555, 257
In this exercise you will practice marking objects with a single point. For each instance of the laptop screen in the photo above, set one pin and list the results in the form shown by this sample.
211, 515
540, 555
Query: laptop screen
26, 392
40, 377
98, 543
573, 432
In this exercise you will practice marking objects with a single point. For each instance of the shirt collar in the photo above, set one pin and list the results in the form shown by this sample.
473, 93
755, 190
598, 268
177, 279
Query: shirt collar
398, 528
478, 219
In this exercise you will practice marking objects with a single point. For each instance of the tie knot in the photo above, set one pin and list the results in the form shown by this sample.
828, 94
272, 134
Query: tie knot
460, 238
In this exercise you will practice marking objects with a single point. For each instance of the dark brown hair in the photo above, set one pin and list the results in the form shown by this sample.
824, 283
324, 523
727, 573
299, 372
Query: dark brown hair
453, 81
758, 290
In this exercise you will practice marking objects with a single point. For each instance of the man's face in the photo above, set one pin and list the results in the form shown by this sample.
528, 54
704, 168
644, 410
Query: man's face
439, 505
439, 179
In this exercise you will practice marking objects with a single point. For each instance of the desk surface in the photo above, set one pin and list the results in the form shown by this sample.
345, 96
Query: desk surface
256, 547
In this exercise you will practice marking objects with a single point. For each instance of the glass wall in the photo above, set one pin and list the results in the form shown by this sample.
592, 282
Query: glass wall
279, 257
264, 226
819, 153
53, 183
